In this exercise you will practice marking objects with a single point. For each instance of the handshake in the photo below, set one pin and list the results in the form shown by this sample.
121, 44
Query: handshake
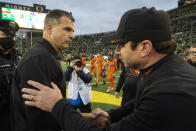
45, 98
98, 117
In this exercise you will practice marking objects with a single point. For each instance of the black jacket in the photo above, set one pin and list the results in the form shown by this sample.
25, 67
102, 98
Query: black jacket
128, 83
122, 77
165, 101
129, 88
8, 63
40, 63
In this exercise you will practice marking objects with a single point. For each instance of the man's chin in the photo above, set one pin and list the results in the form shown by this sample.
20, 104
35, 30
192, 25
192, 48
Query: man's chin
66, 46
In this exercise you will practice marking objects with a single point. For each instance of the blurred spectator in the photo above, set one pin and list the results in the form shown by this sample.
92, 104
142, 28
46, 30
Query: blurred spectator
79, 90
8, 62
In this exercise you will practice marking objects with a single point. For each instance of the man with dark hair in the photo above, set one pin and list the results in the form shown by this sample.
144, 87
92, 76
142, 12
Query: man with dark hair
41, 63
166, 90
8, 62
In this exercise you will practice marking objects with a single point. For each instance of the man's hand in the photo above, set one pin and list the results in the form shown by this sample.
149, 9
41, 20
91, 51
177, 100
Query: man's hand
72, 63
101, 118
116, 95
44, 98
98, 121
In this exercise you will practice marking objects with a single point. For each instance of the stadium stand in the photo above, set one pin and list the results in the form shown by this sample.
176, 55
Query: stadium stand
183, 22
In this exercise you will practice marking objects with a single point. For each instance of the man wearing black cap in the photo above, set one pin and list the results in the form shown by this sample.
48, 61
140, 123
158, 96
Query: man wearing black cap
8, 61
166, 90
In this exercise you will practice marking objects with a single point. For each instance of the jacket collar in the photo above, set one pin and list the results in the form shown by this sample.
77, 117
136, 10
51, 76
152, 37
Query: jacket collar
153, 67
47, 44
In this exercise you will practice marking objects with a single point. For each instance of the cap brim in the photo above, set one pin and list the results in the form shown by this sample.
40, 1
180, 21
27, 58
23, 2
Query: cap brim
112, 39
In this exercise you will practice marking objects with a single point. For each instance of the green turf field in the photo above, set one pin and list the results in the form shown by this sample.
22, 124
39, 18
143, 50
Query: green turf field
101, 99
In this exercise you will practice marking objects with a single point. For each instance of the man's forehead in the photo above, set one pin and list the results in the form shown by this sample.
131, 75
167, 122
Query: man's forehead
66, 20
67, 23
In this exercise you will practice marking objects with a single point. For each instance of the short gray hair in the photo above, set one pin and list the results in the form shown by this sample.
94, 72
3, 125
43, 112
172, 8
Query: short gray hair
53, 16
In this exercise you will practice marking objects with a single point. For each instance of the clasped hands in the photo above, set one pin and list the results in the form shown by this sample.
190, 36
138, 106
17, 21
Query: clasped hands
98, 117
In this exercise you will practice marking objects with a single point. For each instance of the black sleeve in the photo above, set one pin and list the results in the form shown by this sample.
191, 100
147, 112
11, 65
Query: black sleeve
4, 94
85, 77
121, 80
37, 72
118, 113
156, 110
67, 73
70, 119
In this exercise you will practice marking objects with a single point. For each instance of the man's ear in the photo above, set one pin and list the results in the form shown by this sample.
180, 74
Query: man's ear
49, 28
146, 48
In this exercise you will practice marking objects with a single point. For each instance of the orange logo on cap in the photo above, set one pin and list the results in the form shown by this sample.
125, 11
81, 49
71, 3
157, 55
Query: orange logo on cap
114, 41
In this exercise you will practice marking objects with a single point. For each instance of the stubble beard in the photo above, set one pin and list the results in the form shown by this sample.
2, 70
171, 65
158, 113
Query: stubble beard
137, 66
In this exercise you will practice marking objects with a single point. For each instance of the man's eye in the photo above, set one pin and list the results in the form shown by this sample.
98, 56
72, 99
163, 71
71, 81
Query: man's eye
67, 29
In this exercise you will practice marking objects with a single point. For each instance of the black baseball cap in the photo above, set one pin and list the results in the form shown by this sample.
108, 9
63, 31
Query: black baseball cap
9, 27
142, 24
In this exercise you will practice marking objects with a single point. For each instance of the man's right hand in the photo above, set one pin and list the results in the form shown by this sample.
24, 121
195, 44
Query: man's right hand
100, 118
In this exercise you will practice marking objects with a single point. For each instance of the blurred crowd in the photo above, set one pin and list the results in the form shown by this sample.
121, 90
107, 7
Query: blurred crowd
183, 23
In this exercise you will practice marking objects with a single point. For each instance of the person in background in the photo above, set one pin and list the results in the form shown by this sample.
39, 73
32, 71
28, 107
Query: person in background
8, 62
99, 63
79, 90
118, 62
111, 70
129, 85
93, 66
83, 61
115, 63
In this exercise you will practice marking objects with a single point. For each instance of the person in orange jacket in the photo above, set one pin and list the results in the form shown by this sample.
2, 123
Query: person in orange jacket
99, 63
93, 66
83, 61
111, 71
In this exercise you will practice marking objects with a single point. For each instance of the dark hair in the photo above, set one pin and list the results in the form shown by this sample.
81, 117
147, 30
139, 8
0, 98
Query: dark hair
9, 27
53, 16
163, 47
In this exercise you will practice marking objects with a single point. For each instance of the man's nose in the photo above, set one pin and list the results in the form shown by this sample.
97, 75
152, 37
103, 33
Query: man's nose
71, 35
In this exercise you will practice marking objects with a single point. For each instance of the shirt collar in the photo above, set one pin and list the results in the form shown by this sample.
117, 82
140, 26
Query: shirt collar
151, 68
